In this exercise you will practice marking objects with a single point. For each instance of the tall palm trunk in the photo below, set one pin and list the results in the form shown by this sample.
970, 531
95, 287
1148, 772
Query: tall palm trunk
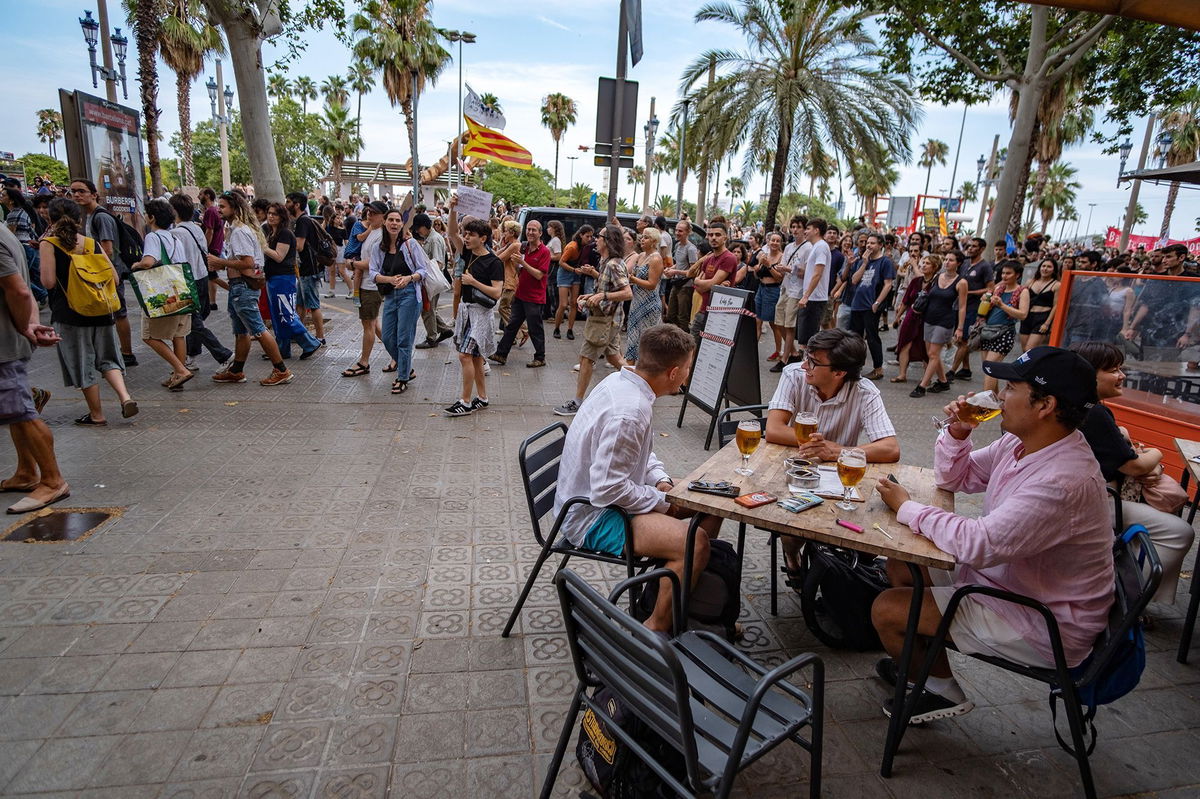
700, 197
149, 23
928, 173
783, 145
410, 125
1169, 209
556, 142
183, 93
358, 128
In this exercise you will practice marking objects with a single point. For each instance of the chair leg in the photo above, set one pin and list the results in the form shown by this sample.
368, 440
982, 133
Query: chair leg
533, 575
1075, 720
817, 725
899, 721
774, 574
1189, 622
563, 740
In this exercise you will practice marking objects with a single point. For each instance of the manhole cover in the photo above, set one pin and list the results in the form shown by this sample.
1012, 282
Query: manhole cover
67, 524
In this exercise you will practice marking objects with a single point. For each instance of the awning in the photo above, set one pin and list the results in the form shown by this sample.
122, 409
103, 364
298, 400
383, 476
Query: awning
1184, 173
1178, 13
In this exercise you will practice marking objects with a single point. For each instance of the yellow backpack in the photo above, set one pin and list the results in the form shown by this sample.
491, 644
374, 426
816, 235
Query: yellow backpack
91, 288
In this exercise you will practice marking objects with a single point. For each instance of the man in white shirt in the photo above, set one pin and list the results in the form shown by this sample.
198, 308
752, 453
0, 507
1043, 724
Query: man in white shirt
607, 459
795, 259
189, 234
816, 282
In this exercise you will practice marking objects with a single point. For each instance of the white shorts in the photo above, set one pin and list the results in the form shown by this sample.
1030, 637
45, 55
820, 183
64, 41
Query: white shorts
979, 630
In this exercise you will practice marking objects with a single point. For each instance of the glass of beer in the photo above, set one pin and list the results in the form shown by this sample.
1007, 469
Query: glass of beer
805, 424
975, 410
851, 468
749, 434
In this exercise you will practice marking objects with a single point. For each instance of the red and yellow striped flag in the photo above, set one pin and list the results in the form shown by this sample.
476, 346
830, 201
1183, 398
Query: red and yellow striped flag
494, 146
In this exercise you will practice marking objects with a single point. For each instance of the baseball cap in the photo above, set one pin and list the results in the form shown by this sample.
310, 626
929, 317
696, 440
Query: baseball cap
1061, 373
377, 207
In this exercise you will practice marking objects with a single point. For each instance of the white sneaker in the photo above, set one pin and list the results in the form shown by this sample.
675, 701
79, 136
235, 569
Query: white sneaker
191, 365
575, 368
487, 368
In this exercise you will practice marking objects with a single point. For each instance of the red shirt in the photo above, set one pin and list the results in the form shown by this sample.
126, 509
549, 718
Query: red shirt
529, 288
212, 221
726, 262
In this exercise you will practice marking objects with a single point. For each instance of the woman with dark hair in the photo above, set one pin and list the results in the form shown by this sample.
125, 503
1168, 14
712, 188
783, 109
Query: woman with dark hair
89, 348
945, 312
1043, 296
645, 272
333, 219
399, 281
558, 237
1010, 304
479, 287
166, 335
910, 341
1130, 467
569, 279
280, 266
28, 226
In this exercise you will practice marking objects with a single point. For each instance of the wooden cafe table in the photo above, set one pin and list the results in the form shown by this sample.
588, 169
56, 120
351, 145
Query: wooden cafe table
820, 524
1189, 450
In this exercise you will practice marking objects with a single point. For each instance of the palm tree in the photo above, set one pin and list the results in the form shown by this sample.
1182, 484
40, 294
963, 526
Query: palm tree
871, 181
805, 64
968, 191
669, 145
736, 187
339, 139
659, 165
361, 81
1182, 122
579, 194
304, 89
665, 205
1058, 192
933, 152
490, 102
335, 90
558, 114
636, 177
398, 40
819, 165
50, 128
278, 86
186, 39
1062, 121
146, 18
746, 211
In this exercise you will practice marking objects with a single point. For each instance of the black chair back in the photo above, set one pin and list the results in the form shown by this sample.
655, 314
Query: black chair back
727, 424
539, 459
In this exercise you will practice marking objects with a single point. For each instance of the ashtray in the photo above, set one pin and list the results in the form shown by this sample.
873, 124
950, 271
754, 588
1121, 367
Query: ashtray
804, 478
796, 463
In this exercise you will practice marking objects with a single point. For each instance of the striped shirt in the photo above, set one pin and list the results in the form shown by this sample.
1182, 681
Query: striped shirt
856, 409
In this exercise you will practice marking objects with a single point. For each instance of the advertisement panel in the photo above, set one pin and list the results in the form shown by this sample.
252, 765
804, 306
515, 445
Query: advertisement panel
112, 154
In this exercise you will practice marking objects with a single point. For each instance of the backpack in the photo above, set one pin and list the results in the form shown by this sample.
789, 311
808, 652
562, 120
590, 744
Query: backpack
838, 589
324, 251
129, 242
91, 288
612, 768
716, 598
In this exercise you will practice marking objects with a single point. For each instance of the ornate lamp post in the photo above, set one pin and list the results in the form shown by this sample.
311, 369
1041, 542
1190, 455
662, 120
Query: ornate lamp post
220, 103
94, 30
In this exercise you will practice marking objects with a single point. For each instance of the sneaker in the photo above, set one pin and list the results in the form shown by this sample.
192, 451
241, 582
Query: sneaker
129, 358
329, 295
886, 669
938, 387
478, 404
778, 367
500, 359
304, 356
931, 706
570, 335
557, 333
277, 378
445, 334
962, 374
426, 344
459, 408
191, 365
568, 409
891, 362
487, 368
575, 368
226, 376
535, 364
919, 391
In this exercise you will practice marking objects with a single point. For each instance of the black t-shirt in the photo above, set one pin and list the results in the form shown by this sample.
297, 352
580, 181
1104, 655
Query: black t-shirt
394, 263
338, 234
287, 266
485, 268
305, 228
1108, 445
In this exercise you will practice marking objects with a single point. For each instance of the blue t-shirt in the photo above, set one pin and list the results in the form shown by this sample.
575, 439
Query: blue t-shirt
353, 245
876, 273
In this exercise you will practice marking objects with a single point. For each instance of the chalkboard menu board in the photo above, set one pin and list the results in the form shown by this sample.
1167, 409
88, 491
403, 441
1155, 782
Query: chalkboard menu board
725, 368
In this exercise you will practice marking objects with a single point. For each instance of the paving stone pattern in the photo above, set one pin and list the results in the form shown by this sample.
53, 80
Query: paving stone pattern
305, 593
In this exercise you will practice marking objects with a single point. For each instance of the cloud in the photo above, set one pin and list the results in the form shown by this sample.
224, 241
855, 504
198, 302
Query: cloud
552, 23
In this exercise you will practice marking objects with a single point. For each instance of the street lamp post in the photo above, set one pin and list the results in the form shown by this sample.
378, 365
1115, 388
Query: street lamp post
1127, 227
987, 182
220, 102
93, 29
651, 130
469, 38
572, 159
1087, 230
1163, 148
1125, 148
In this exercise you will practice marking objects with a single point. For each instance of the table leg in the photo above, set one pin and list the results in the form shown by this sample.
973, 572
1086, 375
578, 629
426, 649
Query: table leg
1193, 501
899, 719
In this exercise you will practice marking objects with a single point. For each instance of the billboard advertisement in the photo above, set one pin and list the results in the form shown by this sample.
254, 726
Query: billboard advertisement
110, 148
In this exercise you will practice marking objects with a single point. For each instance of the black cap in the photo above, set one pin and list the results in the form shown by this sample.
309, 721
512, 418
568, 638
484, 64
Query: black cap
422, 220
1058, 372
378, 207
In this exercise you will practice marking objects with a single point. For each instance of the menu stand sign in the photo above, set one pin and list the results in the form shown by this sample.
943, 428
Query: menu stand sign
725, 367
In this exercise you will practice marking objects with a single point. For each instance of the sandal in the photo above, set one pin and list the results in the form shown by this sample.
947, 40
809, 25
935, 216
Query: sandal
391, 367
87, 421
898, 380
5, 488
357, 369
399, 386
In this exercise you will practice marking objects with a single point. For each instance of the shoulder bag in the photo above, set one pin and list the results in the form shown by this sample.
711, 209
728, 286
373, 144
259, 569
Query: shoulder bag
166, 289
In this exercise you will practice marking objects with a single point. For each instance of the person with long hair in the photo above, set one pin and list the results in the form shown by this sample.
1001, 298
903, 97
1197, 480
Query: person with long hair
242, 259
910, 342
479, 290
399, 281
166, 335
645, 310
600, 329
1010, 304
89, 349
1043, 297
368, 299
570, 279
770, 275
944, 314
509, 252
558, 238
280, 263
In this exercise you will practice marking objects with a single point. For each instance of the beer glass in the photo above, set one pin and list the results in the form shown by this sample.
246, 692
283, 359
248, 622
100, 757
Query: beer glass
975, 410
749, 434
851, 467
805, 424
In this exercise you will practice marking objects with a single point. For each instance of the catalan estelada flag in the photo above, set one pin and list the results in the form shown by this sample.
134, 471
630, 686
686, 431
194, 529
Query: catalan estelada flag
495, 146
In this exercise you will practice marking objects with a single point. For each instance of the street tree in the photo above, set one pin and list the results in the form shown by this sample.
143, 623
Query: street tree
360, 80
933, 152
1058, 192
339, 140
278, 86
636, 177
50, 128
335, 90
968, 191
146, 17
1182, 122
185, 39
305, 89
558, 114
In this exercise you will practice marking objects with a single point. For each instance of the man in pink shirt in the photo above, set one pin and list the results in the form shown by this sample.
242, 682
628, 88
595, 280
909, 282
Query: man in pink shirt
1044, 533
529, 299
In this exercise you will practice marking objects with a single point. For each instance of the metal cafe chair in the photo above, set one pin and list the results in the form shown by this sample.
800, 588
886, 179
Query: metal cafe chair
539, 458
1137, 578
718, 708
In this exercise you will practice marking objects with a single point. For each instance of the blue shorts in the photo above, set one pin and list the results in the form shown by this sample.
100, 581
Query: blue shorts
308, 293
243, 311
765, 300
566, 278
607, 534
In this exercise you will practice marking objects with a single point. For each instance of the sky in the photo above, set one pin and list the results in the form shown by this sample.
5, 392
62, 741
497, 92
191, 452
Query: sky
559, 45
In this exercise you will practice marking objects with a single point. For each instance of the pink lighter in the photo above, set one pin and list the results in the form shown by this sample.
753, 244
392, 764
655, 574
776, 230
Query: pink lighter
849, 526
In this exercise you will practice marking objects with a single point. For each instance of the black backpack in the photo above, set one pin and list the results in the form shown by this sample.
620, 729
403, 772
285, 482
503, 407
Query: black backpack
611, 766
839, 586
324, 250
129, 242
716, 598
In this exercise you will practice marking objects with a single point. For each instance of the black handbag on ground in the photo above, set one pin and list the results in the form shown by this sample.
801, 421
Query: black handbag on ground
839, 587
